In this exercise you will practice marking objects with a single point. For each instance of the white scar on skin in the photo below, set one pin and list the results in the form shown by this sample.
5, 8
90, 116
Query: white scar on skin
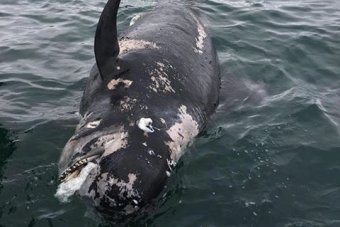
134, 19
127, 45
93, 124
113, 83
160, 80
181, 133
202, 35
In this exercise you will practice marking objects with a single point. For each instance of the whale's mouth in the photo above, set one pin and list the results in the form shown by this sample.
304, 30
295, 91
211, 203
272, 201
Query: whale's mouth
74, 170
73, 178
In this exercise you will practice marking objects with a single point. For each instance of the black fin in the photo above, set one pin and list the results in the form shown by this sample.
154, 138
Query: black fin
106, 47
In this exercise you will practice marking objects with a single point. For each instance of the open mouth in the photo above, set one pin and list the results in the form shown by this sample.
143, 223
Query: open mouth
74, 170
74, 177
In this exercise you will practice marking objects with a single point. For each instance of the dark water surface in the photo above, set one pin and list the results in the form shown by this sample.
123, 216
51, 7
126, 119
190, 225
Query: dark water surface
271, 157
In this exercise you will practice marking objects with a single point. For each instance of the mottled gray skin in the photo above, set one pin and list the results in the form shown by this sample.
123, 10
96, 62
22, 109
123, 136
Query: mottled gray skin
173, 79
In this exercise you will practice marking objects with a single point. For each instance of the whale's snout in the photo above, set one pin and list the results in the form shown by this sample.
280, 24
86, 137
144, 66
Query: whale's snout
83, 152
116, 169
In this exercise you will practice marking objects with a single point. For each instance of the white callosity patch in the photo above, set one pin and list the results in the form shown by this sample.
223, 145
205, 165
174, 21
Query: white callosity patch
145, 124
113, 83
202, 35
135, 18
160, 79
67, 189
114, 142
181, 133
93, 124
127, 103
127, 45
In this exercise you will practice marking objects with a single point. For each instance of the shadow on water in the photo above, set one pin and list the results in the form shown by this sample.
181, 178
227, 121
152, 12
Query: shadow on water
7, 147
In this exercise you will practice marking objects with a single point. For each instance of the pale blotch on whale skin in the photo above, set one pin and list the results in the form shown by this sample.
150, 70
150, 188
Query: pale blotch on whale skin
181, 133
114, 142
161, 83
113, 83
160, 80
127, 45
93, 124
202, 35
126, 190
127, 103
161, 65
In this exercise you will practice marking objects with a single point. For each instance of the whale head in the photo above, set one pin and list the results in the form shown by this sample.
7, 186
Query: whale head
116, 167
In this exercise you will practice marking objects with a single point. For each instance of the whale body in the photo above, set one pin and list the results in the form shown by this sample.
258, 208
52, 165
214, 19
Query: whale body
150, 93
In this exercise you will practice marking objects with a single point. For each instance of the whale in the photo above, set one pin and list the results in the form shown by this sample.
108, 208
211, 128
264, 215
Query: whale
150, 93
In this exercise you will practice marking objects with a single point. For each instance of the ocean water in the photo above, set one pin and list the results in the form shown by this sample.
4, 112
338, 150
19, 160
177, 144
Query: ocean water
270, 156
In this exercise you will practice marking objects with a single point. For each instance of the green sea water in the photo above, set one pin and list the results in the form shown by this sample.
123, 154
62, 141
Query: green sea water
270, 156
